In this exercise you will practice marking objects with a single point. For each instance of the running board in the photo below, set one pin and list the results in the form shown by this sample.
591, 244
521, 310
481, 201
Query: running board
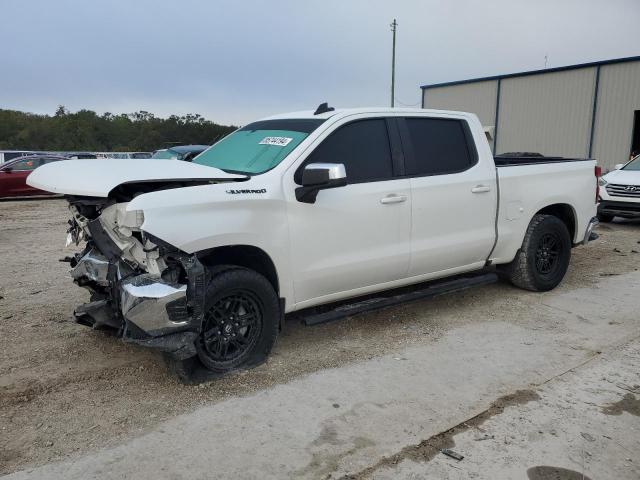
428, 291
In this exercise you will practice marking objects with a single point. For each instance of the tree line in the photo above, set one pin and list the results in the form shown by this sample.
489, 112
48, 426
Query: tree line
88, 131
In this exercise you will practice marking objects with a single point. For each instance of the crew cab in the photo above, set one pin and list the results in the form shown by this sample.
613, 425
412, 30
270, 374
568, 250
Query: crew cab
202, 260
620, 192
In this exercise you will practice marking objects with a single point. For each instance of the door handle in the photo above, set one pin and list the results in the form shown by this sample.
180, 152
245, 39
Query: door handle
393, 198
480, 189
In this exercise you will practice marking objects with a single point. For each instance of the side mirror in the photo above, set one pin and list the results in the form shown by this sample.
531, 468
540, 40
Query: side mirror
618, 166
320, 176
7, 170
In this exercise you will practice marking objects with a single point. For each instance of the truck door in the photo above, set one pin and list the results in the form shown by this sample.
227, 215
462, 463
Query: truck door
453, 195
357, 236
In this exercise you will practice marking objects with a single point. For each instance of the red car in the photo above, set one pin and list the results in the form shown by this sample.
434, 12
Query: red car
13, 175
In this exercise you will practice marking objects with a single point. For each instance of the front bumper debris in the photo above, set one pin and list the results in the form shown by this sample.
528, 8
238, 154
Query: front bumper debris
96, 314
141, 308
153, 305
93, 266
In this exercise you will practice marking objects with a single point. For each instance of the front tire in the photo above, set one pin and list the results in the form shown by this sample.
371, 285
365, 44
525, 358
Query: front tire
543, 259
241, 320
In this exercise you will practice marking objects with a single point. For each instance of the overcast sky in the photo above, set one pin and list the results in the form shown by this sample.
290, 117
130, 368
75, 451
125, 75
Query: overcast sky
234, 61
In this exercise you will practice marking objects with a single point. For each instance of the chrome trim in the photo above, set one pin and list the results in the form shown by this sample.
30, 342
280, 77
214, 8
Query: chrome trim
94, 266
144, 302
336, 170
587, 234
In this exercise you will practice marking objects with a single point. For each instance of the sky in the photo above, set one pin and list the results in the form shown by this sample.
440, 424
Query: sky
236, 61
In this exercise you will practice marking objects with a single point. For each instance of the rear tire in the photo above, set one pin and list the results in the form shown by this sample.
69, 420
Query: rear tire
241, 320
604, 218
543, 259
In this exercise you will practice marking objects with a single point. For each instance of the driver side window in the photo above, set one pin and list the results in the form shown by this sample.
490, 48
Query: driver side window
363, 148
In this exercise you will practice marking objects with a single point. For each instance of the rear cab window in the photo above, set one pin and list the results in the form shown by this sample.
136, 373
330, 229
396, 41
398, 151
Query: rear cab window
437, 146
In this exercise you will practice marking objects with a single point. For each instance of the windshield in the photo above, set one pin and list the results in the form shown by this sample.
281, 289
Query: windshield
166, 155
259, 146
633, 164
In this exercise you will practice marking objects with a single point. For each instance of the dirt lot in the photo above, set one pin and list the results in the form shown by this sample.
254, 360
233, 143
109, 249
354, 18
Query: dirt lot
65, 388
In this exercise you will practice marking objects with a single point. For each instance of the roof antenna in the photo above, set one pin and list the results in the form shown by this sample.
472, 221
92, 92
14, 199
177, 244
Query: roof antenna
323, 108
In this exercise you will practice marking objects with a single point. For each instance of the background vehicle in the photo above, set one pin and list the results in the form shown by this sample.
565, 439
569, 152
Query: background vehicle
81, 155
620, 192
305, 209
123, 154
140, 155
7, 155
13, 175
182, 152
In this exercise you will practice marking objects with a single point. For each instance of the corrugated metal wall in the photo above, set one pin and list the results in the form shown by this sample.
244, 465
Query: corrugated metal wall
477, 97
618, 97
548, 113
552, 112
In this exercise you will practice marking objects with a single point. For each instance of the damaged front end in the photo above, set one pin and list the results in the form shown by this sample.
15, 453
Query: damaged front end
143, 289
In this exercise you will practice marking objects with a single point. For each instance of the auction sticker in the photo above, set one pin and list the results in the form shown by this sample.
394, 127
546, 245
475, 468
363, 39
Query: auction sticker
278, 141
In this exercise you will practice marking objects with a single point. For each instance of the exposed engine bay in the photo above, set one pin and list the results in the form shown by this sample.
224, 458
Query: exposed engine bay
143, 289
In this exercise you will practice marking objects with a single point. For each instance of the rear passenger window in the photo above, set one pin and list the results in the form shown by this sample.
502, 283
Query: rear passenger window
440, 146
363, 148
26, 164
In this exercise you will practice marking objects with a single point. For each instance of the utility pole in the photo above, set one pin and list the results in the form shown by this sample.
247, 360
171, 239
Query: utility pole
394, 25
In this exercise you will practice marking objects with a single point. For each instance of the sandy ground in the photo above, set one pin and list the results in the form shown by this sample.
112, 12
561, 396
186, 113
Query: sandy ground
66, 390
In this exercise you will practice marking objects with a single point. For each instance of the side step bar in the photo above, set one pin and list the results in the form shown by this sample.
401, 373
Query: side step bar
418, 292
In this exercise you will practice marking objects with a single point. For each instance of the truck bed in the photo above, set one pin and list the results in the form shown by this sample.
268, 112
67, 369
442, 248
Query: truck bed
529, 184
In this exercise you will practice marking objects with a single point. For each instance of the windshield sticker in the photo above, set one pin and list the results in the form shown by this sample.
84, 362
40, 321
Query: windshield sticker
277, 141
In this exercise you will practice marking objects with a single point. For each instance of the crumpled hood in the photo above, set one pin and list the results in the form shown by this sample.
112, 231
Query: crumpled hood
623, 177
96, 178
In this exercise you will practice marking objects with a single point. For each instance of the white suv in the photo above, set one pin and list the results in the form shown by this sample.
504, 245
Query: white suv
620, 192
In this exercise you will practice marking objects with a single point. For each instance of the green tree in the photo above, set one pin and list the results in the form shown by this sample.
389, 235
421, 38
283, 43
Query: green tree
86, 130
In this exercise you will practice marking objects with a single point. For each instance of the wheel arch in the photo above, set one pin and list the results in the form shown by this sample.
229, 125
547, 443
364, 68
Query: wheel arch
565, 213
248, 256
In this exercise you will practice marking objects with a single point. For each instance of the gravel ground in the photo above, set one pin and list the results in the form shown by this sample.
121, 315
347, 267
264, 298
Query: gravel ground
65, 388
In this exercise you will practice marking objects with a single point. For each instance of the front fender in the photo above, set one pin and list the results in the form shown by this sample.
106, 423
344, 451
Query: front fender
209, 216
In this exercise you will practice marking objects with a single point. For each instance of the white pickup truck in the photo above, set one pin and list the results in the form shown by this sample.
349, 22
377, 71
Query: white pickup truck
202, 260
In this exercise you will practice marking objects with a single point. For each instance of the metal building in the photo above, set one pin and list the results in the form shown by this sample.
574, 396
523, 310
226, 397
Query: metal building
586, 110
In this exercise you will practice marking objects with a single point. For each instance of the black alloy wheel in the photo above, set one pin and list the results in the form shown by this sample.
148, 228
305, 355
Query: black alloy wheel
232, 326
241, 319
548, 253
543, 259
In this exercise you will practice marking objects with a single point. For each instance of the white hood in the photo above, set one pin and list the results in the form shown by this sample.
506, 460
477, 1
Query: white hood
623, 177
96, 178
